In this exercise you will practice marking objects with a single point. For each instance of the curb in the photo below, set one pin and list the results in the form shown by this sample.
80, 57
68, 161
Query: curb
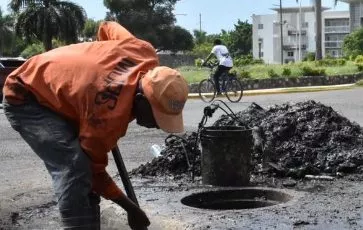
287, 90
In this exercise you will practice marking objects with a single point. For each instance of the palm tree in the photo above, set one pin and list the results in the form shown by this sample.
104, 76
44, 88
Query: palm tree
6, 31
89, 31
200, 36
48, 19
318, 48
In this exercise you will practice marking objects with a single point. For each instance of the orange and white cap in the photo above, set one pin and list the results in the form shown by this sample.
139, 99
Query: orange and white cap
167, 92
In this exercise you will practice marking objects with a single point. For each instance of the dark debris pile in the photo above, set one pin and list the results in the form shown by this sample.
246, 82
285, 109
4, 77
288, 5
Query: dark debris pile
291, 140
177, 158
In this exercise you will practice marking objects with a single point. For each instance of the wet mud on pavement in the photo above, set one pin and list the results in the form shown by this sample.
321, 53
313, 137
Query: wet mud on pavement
334, 204
316, 205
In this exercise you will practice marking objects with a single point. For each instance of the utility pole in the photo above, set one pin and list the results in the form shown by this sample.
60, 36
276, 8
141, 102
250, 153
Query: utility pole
281, 35
319, 51
300, 25
200, 23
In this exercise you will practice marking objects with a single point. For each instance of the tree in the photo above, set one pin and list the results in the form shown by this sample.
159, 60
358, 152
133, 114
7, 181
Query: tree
90, 29
200, 36
202, 50
150, 20
177, 39
353, 44
239, 41
48, 19
32, 49
7, 33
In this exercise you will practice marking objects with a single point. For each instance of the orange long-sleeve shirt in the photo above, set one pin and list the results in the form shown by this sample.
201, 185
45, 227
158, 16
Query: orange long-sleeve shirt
92, 85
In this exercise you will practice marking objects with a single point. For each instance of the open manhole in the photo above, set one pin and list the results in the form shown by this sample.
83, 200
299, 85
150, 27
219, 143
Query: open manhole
236, 199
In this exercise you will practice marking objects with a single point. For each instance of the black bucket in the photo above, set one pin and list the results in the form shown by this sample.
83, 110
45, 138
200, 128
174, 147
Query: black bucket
226, 155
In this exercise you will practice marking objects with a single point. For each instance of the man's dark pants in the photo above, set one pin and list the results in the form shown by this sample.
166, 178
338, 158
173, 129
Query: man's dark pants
55, 141
221, 69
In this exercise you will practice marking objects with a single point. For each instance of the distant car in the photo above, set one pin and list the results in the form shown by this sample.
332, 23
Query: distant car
8, 65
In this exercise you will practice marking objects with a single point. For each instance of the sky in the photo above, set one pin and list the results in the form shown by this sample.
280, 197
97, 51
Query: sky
212, 15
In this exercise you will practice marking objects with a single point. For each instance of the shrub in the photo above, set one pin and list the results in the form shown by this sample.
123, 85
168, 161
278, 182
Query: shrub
330, 62
359, 59
242, 60
319, 63
309, 57
246, 60
309, 71
244, 74
31, 50
341, 61
258, 61
233, 72
272, 73
352, 57
286, 72
198, 62
359, 83
360, 66
359, 62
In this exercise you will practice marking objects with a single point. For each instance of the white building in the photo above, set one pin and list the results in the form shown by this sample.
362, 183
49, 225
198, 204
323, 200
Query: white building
356, 13
335, 26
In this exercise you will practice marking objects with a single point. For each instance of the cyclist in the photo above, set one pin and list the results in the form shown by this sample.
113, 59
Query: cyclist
221, 52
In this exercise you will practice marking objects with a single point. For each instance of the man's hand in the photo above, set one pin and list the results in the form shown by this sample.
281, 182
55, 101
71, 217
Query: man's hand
138, 219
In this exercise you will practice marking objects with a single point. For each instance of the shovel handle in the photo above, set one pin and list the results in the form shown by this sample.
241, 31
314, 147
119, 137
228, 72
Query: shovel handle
124, 175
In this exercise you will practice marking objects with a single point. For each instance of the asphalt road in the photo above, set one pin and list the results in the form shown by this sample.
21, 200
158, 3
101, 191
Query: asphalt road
25, 182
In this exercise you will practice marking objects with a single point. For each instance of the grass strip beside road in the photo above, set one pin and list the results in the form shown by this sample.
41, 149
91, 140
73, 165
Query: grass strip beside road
359, 83
195, 74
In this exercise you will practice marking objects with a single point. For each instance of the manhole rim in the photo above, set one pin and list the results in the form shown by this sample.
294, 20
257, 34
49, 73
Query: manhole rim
295, 196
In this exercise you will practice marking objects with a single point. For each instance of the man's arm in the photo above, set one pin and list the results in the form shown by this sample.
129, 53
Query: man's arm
107, 188
210, 55
208, 58
103, 185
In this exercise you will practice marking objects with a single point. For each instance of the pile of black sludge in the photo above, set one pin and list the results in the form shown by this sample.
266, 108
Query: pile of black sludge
290, 140
180, 156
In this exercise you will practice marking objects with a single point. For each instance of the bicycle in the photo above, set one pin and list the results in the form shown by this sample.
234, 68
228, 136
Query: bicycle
231, 87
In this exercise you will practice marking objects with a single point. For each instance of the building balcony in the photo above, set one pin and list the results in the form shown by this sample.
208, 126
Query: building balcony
296, 32
294, 47
333, 44
337, 29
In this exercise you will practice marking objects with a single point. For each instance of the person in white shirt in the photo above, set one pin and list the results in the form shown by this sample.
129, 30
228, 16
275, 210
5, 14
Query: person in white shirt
221, 52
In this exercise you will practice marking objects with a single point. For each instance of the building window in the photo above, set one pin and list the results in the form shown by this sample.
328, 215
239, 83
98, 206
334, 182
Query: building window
290, 54
305, 25
260, 43
260, 26
260, 55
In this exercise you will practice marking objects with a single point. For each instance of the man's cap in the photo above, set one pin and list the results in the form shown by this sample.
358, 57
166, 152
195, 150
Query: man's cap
167, 92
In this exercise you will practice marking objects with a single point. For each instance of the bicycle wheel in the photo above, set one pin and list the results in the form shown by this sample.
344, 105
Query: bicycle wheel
206, 90
234, 90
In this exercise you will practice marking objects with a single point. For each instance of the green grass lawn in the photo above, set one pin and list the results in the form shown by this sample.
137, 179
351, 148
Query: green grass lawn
195, 74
